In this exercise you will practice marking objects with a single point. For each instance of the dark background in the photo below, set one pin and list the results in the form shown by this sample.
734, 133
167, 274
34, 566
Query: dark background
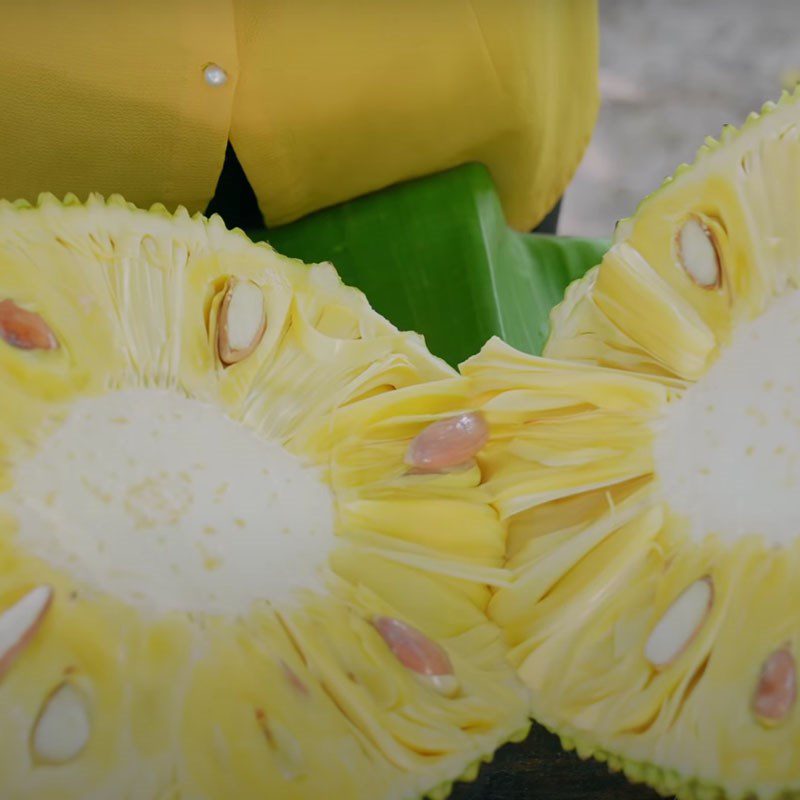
538, 768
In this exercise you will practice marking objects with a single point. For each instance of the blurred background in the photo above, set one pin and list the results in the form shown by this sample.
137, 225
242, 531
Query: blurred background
671, 73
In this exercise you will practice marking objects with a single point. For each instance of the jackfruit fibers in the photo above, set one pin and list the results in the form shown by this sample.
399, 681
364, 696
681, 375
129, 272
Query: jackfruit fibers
650, 486
245, 547
249, 529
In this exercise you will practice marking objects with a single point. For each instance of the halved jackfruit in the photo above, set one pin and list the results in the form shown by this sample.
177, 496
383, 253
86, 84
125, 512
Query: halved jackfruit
245, 549
651, 490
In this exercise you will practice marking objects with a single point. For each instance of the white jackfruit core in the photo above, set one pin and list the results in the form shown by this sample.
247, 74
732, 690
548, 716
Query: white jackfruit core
166, 503
728, 454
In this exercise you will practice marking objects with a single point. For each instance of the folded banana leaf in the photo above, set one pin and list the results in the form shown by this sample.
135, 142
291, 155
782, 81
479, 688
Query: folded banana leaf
436, 256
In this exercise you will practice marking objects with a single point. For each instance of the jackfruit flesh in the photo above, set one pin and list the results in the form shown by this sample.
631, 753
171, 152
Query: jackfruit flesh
226, 568
648, 468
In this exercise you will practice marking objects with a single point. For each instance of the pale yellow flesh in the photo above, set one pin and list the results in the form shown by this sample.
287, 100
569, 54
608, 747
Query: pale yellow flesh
648, 480
255, 672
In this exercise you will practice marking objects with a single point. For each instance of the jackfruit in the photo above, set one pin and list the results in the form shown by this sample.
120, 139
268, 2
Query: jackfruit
245, 548
648, 468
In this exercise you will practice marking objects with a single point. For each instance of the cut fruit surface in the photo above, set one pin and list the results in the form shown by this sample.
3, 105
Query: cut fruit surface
186, 510
205, 504
647, 469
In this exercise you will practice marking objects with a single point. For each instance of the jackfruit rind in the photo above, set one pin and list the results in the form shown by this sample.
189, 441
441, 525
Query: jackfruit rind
647, 470
752, 173
207, 510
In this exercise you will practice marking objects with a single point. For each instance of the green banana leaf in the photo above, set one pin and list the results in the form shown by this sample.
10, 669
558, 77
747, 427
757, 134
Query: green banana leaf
435, 255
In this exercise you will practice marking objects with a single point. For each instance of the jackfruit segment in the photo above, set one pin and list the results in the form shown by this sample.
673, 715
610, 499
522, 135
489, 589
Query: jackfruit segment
742, 192
412, 723
441, 522
675, 335
208, 516
650, 485
586, 436
587, 335
634, 634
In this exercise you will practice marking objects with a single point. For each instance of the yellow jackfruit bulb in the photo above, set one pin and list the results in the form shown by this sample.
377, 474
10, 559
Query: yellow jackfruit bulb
648, 468
245, 548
